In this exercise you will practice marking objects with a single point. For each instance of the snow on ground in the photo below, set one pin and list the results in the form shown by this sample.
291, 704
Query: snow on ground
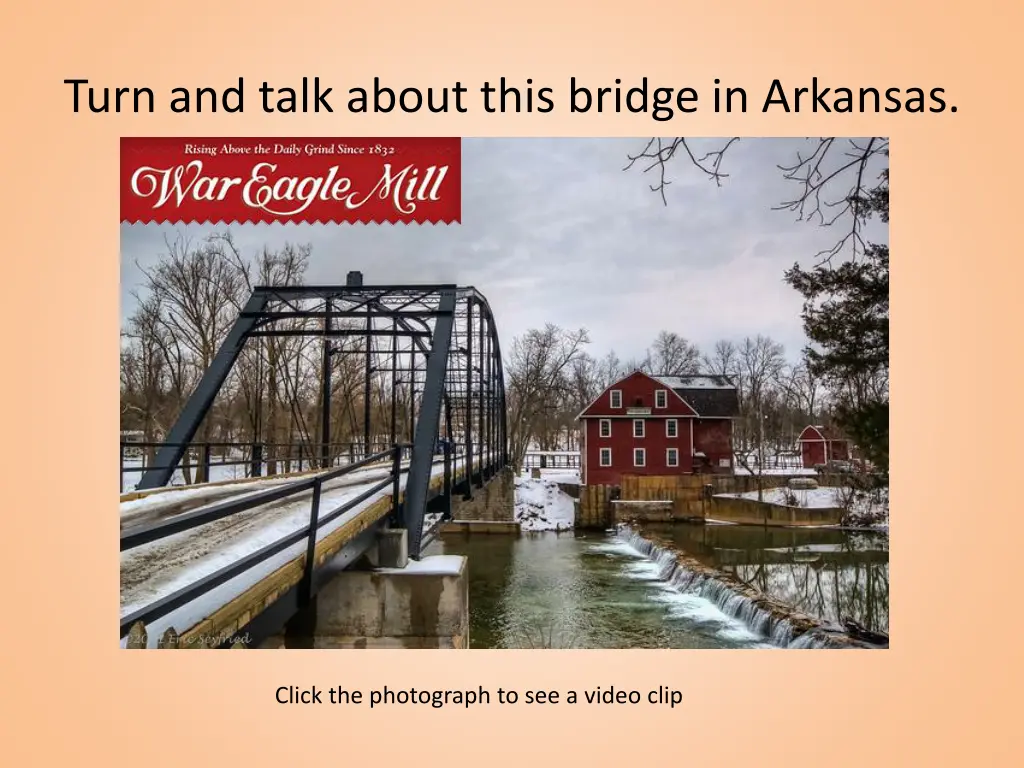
564, 476
435, 565
542, 506
791, 472
870, 512
814, 498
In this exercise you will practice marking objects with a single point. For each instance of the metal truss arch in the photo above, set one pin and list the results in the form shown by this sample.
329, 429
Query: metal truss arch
418, 366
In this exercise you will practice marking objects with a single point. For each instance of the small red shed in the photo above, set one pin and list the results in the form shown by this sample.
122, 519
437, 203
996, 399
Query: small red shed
820, 445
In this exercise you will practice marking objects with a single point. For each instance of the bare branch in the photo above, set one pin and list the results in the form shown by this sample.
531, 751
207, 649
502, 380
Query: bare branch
709, 163
823, 198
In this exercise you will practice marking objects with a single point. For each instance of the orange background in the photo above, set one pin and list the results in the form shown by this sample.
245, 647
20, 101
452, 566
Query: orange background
943, 694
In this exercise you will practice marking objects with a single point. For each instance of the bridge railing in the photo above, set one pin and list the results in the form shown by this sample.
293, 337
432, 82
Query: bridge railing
247, 460
452, 455
551, 460
137, 537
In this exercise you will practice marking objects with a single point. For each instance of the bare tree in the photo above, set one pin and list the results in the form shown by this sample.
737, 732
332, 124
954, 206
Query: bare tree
643, 364
672, 355
803, 389
723, 360
585, 375
834, 178
197, 292
585, 378
143, 368
187, 305
278, 358
538, 376
760, 362
610, 369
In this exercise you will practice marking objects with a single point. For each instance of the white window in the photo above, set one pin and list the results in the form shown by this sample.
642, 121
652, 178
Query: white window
616, 398
606, 427
606, 457
671, 428
639, 457
672, 457
638, 427
661, 398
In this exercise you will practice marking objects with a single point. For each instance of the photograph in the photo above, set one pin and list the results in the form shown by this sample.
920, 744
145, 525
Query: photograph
635, 396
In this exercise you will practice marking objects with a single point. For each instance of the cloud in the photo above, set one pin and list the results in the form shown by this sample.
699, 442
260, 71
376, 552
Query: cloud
555, 231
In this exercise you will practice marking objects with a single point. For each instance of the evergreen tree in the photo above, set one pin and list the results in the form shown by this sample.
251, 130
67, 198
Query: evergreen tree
846, 317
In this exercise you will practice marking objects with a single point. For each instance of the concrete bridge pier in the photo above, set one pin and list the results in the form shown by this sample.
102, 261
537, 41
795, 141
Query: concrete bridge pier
486, 509
387, 601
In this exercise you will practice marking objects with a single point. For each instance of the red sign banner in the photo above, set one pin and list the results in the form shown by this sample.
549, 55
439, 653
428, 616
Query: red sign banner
234, 181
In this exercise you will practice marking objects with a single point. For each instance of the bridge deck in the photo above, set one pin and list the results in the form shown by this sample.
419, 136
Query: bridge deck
146, 507
155, 570
151, 506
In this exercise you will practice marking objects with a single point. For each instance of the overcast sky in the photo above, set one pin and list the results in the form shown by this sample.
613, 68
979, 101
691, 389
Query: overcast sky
555, 231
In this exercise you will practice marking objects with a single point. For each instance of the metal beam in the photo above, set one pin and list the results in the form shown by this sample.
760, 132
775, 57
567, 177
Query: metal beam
468, 415
480, 408
342, 332
340, 291
418, 482
394, 386
368, 383
314, 314
202, 398
325, 395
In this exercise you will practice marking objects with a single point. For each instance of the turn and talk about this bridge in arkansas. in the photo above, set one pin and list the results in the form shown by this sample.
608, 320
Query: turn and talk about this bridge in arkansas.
330, 555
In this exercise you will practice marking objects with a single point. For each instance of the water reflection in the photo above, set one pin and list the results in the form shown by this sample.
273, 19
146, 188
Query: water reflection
831, 574
582, 591
597, 591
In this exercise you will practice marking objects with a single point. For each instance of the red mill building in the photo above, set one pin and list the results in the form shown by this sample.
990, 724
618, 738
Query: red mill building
658, 425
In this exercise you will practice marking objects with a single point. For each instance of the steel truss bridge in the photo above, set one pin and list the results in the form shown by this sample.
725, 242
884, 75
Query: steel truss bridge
431, 348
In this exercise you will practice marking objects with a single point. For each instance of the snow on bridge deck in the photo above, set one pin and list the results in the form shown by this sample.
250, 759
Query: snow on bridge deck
155, 570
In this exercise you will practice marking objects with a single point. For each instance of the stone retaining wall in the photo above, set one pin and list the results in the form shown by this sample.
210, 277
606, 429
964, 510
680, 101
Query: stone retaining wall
467, 527
572, 490
594, 508
601, 506
754, 512
495, 502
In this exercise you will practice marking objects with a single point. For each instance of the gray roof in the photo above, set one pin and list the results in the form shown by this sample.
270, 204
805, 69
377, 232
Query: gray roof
711, 396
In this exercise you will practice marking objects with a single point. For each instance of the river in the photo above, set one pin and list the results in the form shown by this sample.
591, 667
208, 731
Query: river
610, 590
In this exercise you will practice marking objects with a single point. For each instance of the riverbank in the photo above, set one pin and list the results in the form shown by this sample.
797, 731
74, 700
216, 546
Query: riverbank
834, 506
713, 585
681, 586
783, 622
542, 506
548, 590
